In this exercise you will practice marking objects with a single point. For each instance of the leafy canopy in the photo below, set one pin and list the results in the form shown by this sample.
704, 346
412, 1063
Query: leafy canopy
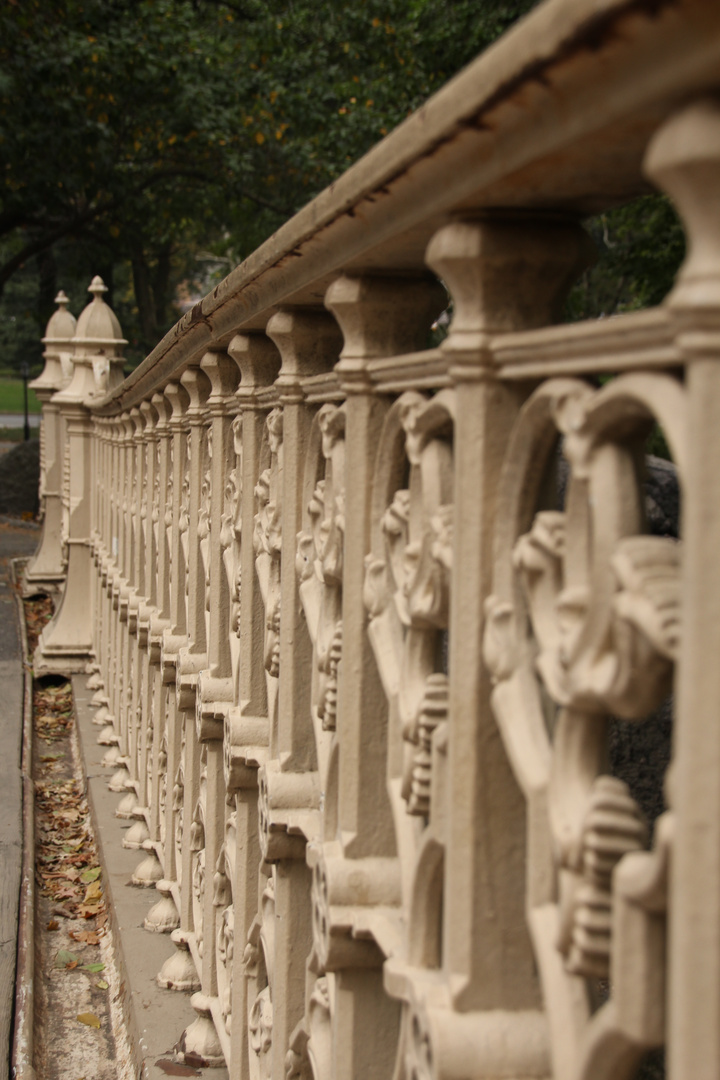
137, 136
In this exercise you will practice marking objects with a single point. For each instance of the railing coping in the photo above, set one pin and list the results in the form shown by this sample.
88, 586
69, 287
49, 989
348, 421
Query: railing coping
553, 118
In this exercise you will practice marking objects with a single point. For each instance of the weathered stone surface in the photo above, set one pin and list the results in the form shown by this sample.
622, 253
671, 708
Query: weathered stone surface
361, 662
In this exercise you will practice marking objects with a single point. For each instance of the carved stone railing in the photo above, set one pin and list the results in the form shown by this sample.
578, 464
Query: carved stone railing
356, 659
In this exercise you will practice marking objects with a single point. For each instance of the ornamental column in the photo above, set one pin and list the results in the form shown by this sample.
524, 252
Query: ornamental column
66, 644
46, 569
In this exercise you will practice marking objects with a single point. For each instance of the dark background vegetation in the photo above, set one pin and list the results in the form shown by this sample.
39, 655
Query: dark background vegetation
158, 142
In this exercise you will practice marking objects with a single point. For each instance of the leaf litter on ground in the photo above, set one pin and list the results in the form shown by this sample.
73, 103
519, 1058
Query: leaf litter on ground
66, 863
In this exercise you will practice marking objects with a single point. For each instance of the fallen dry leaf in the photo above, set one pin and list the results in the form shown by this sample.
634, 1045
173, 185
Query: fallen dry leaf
88, 936
53, 925
191, 1058
90, 1019
89, 911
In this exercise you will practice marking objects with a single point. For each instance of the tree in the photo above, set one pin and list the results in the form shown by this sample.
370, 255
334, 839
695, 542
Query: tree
136, 133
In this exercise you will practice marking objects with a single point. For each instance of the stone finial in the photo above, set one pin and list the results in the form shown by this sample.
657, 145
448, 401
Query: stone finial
59, 334
97, 287
97, 347
98, 330
60, 329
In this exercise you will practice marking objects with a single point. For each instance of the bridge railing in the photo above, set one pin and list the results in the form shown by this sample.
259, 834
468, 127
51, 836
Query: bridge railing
365, 616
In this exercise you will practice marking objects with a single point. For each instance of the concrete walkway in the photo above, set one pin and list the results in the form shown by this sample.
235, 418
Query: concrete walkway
15, 541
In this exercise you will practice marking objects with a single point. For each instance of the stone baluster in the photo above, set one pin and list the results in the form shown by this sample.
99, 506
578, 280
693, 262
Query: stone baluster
175, 636
309, 342
379, 317
214, 692
178, 972
136, 690
45, 570
115, 578
246, 725
163, 916
96, 681
66, 643
145, 560
503, 275
192, 658
112, 575
102, 683
152, 718
121, 780
684, 159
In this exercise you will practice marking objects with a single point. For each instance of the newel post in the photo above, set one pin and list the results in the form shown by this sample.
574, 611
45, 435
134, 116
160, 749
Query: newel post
46, 569
66, 645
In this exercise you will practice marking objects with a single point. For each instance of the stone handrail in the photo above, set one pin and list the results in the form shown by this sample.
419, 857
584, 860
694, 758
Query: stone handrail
355, 660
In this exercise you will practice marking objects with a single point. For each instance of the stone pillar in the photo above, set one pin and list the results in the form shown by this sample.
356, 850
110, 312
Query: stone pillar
379, 317
309, 343
66, 644
684, 159
214, 692
46, 570
503, 275
246, 734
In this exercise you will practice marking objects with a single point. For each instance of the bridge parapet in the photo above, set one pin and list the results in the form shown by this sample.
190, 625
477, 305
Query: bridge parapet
358, 656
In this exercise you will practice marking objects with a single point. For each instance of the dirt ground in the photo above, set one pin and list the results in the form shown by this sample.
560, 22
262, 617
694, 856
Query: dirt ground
78, 1031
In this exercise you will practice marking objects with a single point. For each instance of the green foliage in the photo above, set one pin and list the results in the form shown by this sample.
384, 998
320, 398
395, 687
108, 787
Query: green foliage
640, 247
135, 132
159, 142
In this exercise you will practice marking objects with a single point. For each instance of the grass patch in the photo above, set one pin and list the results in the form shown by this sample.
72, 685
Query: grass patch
11, 397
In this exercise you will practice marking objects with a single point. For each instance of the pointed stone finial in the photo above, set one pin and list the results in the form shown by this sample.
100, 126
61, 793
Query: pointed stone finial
61, 300
97, 287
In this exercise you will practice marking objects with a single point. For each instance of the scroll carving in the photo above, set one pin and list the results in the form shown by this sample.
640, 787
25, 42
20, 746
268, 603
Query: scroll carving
586, 616
407, 586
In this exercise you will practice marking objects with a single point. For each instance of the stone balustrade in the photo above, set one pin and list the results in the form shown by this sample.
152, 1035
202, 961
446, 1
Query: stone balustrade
357, 663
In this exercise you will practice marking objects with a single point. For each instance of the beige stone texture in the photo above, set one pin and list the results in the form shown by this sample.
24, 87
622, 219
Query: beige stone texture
355, 664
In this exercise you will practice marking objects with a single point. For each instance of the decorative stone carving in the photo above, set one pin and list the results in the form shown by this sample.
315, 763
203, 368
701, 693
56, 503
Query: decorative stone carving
613, 827
344, 893
178, 972
163, 917
585, 623
289, 812
407, 581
